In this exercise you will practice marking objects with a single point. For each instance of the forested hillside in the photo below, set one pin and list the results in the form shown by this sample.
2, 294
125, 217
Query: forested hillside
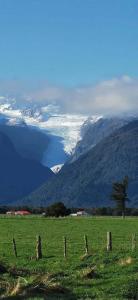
88, 181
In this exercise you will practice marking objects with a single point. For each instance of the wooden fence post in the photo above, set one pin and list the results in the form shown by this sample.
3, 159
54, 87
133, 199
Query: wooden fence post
14, 247
65, 246
38, 248
133, 241
86, 244
109, 241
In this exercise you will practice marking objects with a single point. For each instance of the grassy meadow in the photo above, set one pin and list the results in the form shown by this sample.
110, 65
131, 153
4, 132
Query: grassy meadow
97, 275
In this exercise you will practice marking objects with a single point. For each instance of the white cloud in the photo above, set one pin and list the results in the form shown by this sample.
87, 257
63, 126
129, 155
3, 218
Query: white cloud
118, 95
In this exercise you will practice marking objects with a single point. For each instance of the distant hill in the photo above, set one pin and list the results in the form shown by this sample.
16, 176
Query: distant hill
88, 181
18, 176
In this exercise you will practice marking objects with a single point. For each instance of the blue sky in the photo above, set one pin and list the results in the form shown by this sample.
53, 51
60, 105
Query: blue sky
68, 42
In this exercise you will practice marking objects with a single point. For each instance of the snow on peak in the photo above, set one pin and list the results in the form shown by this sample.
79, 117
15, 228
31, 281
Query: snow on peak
47, 118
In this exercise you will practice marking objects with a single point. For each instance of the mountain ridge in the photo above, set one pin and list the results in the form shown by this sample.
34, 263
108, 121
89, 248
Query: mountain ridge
93, 133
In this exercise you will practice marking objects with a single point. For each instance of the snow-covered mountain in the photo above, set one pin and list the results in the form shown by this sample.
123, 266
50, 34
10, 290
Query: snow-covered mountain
70, 135
63, 128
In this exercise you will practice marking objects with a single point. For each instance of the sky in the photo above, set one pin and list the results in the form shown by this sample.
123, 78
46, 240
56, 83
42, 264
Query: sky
53, 49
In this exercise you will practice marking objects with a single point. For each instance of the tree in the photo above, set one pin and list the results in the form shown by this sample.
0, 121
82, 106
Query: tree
57, 209
119, 194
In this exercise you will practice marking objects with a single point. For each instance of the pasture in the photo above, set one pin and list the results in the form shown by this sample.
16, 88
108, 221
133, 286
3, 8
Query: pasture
99, 274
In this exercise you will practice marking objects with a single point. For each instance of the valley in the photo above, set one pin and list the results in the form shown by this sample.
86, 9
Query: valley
87, 182
93, 151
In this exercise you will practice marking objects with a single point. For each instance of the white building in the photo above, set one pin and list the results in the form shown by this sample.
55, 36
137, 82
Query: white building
80, 213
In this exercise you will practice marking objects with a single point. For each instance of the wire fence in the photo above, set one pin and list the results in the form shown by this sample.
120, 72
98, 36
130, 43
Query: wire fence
66, 246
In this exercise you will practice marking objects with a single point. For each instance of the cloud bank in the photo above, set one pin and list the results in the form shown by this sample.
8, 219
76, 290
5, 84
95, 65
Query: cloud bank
115, 96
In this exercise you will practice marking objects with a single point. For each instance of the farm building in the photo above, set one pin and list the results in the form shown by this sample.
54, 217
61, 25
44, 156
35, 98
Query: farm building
82, 213
22, 213
79, 213
18, 213
9, 213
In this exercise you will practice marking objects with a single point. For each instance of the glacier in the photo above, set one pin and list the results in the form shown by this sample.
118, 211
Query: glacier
63, 128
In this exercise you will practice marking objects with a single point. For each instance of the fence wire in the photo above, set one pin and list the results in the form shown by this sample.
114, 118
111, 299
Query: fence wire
26, 247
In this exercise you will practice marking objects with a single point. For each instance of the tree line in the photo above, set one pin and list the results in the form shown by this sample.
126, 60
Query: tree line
94, 211
119, 196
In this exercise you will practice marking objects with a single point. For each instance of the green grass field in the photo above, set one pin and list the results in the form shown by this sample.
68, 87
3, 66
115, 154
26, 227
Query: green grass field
98, 275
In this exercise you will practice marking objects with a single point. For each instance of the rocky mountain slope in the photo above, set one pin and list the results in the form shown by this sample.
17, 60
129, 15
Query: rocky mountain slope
18, 176
93, 133
88, 181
